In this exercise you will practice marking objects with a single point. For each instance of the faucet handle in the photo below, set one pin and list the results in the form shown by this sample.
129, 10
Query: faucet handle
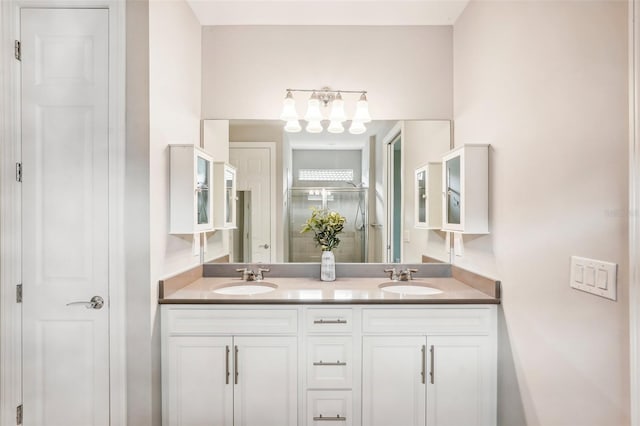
247, 274
407, 274
393, 275
260, 273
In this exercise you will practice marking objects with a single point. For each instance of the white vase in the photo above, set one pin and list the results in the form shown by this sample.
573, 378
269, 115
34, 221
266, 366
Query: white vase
328, 266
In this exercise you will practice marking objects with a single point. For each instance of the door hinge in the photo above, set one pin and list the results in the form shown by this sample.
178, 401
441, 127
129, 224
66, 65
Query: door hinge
19, 172
19, 414
17, 50
19, 293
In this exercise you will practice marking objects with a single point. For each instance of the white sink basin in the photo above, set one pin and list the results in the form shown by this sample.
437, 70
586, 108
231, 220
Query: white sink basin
246, 288
408, 288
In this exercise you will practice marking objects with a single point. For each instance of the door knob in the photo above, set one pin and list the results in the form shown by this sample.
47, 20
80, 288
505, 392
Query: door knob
265, 246
96, 302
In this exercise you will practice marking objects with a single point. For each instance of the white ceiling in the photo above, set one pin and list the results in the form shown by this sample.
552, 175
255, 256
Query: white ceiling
314, 12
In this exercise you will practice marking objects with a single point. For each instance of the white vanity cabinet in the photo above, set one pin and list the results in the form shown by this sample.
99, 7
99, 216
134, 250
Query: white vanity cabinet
438, 366
226, 367
196, 368
224, 193
190, 190
461, 380
465, 190
393, 392
428, 199
354, 365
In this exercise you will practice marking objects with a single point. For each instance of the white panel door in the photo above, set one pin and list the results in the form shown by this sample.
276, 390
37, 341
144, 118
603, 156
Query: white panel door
266, 392
254, 174
65, 224
459, 385
393, 375
199, 384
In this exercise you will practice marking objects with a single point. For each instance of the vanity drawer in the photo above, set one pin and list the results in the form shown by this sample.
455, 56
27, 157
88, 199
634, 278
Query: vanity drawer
195, 321
329, 320
478, 320
329, 362
329, 408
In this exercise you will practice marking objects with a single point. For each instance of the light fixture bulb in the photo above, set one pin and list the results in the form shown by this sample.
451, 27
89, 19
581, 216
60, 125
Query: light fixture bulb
335, 127
289, 112
313, 109
314, 126
337, 109
357, 127
292, 126
362, 110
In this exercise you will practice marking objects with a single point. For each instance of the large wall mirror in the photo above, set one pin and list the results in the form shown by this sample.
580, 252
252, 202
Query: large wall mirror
369, 178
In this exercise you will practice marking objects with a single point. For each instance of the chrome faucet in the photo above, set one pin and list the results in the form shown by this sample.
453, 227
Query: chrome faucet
250, 275
405, 275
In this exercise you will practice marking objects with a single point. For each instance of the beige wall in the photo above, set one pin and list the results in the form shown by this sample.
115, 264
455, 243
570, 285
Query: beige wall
407, 70
140, 404
545, 83
175, 98
174, 117
423, 141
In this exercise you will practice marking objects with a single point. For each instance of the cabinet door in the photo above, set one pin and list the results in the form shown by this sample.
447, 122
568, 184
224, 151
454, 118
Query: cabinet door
421, 203
453, 192
198, 386
266, 391
393, 375
459, 385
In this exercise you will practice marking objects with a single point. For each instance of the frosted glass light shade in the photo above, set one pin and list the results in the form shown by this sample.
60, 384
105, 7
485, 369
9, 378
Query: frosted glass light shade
314, 126
335, 127
357, 128
362, 110
313, 109
292, 126
337, 110
289, 112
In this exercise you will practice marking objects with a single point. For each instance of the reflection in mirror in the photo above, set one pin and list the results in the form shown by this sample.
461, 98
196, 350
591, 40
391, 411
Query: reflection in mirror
368, 178
453, 190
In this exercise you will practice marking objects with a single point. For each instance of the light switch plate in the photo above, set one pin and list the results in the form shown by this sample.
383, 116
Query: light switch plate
594, 276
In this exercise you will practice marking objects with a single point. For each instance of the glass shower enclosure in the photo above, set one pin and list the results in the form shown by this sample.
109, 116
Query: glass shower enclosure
349, 202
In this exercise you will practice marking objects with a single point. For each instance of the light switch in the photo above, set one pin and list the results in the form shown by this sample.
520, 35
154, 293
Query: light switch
594, 276
578, 271
590, 276
601, 280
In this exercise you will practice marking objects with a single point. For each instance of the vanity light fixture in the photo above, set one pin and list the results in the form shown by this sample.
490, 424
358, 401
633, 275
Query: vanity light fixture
314, 116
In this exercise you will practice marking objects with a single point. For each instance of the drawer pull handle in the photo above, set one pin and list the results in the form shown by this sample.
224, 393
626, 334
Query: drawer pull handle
226, 362
235, 365
324, 321
432, 373
422, 373
322, 363
337, 418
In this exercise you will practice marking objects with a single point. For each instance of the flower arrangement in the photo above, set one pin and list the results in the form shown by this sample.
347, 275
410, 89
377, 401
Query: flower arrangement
326, 225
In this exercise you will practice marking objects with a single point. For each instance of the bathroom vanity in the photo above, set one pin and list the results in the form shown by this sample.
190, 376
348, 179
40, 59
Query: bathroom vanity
350, 352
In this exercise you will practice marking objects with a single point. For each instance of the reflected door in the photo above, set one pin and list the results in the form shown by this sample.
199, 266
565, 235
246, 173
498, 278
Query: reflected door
253, 168
394, 201
65, 216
